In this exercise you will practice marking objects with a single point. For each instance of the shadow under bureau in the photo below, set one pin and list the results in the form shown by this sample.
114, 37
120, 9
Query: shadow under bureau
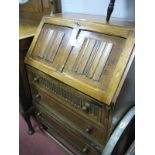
76, 69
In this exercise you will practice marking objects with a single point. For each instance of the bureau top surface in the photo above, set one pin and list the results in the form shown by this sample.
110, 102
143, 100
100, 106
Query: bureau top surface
27, 28
89, 55
95, 19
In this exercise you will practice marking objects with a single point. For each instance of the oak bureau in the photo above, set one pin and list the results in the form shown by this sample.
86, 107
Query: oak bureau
76, 67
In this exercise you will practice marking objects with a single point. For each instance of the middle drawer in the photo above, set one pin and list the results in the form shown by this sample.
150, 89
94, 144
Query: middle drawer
93, 132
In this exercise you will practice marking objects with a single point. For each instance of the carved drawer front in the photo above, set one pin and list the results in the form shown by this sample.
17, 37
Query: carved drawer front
94, 132
69, 96
55, 125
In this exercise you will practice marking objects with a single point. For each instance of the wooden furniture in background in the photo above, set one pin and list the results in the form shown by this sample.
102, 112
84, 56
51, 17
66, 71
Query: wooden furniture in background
30, 15
35, 9
76, 66
25, 98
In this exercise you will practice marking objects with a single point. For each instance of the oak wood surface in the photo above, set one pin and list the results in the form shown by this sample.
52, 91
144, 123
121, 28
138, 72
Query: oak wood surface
56, 126
68, 96
24, 89
76, 66
94, 133
27, 28
96, 19
104, 83
35, 9
31, 6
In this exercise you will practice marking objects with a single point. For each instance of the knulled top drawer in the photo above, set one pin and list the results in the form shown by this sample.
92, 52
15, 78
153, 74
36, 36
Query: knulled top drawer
69, 96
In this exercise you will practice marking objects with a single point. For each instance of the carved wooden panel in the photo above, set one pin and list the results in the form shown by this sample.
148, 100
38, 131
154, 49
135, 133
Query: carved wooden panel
52, 46
93, 58
90, 57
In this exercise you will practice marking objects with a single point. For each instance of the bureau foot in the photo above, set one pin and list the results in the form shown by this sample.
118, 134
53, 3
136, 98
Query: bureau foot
30, 128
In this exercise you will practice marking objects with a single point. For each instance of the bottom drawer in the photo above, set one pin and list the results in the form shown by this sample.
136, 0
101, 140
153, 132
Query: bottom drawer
64, 132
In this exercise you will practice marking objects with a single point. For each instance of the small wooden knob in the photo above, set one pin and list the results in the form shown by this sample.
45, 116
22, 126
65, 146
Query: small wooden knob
88, 129
85, 149
39, 114
36, 79
86, 107
38, 96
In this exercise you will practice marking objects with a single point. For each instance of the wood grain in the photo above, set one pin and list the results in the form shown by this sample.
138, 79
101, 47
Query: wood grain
95, 64
75, 69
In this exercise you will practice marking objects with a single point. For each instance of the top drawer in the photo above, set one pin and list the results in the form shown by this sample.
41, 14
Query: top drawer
69, 96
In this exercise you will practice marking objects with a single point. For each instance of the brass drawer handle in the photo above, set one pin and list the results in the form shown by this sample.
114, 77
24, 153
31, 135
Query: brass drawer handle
85, 149
36, 79
89, 129
38, 96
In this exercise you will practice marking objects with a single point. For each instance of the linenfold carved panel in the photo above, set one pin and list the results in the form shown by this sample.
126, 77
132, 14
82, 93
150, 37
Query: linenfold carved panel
92, 58
86, 60
52, 46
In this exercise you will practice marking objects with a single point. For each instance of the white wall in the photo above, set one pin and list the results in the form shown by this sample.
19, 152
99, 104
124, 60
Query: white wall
123, 8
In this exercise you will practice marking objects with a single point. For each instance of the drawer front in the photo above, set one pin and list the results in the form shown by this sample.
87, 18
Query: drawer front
73, 98
88, 129
53, 124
